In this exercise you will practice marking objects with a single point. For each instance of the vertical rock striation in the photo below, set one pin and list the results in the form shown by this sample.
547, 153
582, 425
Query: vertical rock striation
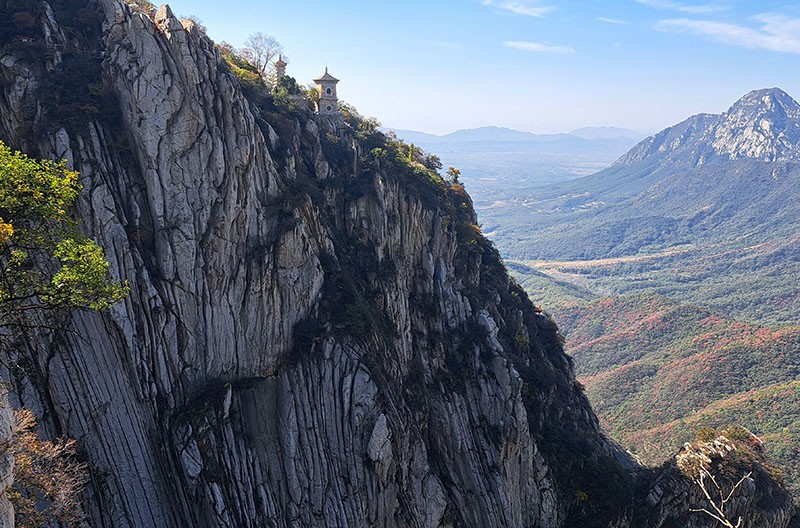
308, 340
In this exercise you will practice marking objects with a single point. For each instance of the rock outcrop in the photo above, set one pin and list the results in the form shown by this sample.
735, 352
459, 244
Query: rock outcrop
316, 332
736, 484
764, 125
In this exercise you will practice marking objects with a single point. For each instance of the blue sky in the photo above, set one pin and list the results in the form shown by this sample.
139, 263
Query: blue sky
534, 65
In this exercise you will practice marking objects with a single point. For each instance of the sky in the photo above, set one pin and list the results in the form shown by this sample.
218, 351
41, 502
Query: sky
542, 66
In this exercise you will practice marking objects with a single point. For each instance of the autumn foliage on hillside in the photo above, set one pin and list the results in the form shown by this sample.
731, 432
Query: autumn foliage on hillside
656, 371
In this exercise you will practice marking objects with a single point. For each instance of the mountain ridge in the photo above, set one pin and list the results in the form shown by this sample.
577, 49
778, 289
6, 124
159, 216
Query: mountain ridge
316, 333
672, 191
763, 125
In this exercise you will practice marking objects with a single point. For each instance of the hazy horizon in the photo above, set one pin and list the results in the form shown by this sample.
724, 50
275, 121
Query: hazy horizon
535, 66
643, 133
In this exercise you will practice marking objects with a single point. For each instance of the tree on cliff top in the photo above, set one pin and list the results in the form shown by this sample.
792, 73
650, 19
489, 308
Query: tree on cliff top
260, 50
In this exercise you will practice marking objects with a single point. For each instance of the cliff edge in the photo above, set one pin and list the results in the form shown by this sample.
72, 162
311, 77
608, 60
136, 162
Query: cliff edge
316, 332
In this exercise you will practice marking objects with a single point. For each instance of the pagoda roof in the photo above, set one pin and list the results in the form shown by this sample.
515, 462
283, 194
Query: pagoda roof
280, 61
326, 77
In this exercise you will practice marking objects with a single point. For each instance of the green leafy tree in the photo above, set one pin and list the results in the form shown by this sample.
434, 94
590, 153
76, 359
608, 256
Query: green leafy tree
453, 174
45, 263
289, 85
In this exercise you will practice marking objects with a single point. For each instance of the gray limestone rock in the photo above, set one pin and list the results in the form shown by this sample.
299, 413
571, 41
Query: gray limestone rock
310, 339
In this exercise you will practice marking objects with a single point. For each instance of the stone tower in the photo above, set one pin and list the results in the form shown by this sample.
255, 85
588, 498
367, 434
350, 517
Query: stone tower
328, 102
280, 68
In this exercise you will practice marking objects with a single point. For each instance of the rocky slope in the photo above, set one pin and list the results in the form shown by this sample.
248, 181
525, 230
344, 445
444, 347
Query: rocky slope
316, 332
764, 125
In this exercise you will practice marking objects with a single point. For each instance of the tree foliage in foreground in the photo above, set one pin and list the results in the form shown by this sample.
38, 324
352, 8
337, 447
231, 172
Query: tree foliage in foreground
45, 262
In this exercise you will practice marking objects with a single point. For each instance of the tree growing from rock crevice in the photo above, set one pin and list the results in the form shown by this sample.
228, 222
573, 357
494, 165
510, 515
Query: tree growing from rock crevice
45, 262
712, 462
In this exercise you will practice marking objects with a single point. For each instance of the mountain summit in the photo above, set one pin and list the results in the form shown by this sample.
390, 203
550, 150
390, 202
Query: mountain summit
724, 185
764, 125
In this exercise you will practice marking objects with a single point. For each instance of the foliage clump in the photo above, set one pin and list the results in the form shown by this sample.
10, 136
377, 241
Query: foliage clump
143, 6
48, 476
246, 72
45, 262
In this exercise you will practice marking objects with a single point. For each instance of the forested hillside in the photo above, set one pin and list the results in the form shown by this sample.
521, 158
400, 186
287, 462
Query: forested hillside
655, 371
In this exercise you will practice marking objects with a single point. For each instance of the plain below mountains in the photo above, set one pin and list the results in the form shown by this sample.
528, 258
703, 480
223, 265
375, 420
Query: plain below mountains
494, 160
704, 212
673, 276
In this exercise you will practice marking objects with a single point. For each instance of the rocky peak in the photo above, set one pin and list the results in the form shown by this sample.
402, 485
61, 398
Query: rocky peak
315, 335
767, 103
764, 125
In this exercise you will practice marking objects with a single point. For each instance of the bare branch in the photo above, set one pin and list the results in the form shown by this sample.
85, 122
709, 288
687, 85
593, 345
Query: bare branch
261, 50
719, 519
719, 505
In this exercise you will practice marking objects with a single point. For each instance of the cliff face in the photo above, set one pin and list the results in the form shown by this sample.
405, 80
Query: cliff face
313, 336
302, 341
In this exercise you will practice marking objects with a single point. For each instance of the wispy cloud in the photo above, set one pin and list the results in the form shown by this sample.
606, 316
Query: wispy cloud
538, 47
521, 7
692, 9
611, 20
776, 33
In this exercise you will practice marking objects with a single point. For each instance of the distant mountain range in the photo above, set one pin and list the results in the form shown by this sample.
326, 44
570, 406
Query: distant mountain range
606, 132
494, 160
713, 199
673, 276
494, 134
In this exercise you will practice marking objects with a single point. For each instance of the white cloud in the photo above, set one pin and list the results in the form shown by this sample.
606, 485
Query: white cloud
611, 20
521, 7
538, 47
692, 9
777, 32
